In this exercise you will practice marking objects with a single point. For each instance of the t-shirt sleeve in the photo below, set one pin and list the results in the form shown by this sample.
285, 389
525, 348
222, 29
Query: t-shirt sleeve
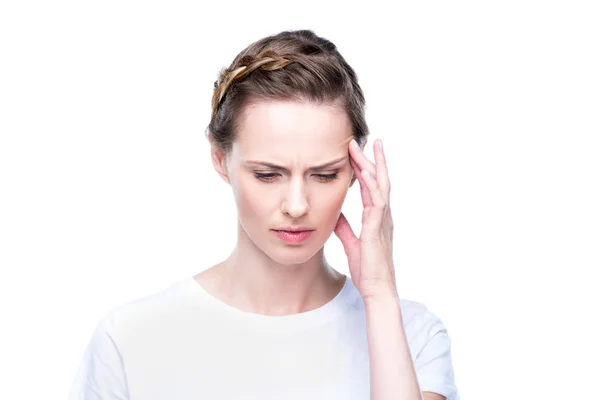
100, 375
433, 363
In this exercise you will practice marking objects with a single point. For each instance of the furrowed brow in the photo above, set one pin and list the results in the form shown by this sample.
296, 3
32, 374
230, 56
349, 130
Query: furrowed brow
280, 168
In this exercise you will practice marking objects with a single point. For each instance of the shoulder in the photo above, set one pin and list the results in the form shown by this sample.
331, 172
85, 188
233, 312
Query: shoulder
419, 319
116, 339
149, 313
425, 331
419, 322
430, 347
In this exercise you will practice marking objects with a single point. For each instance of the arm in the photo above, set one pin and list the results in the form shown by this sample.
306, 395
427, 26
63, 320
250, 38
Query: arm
392, 371
433, 396
370, 260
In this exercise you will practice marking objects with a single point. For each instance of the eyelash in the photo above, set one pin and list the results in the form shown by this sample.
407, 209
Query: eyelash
270, 177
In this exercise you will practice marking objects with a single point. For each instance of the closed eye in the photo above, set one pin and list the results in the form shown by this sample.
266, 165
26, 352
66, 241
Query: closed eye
264, 177
327, 177
271, 176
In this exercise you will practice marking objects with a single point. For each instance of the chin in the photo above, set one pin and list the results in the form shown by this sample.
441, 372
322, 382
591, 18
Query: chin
284, 253
291, 259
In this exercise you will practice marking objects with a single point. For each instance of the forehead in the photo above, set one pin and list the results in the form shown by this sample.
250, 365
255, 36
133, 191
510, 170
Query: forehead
291, 129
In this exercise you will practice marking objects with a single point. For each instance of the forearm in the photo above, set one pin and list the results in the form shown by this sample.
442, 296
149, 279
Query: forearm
392, 372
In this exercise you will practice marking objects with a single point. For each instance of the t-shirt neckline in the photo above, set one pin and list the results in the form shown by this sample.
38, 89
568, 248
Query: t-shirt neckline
284, 323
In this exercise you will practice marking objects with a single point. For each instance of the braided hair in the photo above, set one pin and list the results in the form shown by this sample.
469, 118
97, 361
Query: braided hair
291, 65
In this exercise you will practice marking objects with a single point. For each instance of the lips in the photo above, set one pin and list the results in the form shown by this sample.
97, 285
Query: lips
294, 228
293, 237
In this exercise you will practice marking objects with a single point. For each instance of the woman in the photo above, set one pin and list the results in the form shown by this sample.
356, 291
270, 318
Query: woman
274, 320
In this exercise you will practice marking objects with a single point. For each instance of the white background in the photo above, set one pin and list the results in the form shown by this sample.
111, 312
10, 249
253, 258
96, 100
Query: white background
489, 112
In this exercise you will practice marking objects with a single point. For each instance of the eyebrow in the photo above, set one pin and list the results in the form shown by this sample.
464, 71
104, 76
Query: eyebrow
280, 168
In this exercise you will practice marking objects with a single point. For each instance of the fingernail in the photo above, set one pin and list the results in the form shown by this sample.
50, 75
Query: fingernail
355, 145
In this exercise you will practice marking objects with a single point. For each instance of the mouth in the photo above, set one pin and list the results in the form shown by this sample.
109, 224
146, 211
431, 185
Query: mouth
293, 236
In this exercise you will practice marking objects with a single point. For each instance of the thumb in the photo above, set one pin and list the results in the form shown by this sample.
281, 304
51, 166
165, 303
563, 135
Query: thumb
344, 231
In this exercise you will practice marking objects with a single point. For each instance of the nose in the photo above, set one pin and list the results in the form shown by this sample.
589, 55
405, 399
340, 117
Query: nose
295, 201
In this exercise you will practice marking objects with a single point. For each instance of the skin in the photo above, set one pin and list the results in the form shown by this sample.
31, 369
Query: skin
267, 276
263, 274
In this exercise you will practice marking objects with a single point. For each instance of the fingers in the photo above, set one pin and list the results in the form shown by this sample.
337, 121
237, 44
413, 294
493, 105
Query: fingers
374, 189
378, 169
377, 212
360, 159
344, 231
382, 172
375, 185
364, 189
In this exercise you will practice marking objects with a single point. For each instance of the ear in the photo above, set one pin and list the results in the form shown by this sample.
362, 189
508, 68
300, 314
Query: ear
219, 161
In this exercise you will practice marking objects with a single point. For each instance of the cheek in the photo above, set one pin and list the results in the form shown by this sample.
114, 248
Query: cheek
331, 205
251, 201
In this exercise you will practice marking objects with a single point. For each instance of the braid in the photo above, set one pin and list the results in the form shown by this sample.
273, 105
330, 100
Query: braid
305, 67
268, 60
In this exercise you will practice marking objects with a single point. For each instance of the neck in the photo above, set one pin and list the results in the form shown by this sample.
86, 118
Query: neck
252, 281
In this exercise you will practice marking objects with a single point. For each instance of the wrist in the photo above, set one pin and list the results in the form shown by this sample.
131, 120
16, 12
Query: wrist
380, 290
382, 298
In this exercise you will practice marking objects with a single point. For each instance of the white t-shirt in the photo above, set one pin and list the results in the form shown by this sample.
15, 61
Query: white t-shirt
182, 344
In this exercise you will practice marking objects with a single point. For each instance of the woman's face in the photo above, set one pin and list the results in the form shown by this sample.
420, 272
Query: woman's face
274, 171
